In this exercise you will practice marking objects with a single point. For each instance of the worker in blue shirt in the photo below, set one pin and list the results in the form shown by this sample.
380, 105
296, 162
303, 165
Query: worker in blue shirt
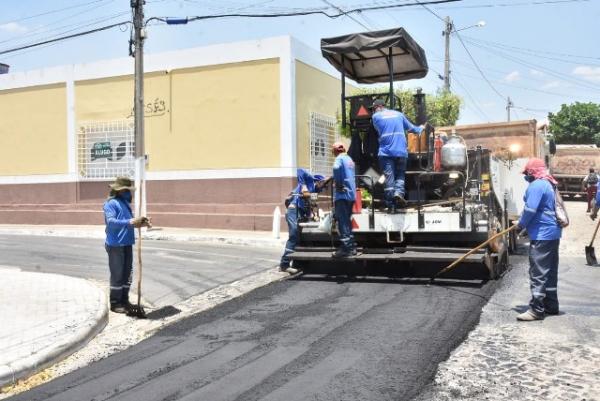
594, 213
391, 126
544, 231
120, 238
344, 197
298, 209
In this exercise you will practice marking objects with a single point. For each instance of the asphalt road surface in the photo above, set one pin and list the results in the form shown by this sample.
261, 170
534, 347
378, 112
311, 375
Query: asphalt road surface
311, 338
173, 271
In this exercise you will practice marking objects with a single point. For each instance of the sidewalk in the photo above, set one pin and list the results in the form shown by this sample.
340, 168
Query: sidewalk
47, 317
231, 237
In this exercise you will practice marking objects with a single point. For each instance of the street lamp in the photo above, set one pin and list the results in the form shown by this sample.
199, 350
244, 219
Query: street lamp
447, 31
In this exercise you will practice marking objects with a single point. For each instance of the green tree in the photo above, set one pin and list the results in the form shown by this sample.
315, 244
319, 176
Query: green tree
443, 108
576, 123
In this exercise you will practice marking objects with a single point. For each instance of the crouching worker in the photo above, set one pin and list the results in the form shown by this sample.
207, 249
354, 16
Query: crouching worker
119, 242
540, 221
344, 197
298, 209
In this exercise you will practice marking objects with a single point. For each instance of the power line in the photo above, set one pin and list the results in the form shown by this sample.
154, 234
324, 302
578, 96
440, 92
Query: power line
525, 3
548, 71
531, 52
104, 28
51, 12
348, 15
306, 12
477, 66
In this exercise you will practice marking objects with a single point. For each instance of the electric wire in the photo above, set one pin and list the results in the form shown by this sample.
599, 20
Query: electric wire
51, 12
348, 15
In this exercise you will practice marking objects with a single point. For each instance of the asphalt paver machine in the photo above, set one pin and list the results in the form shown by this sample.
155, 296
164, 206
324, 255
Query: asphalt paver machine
451, 203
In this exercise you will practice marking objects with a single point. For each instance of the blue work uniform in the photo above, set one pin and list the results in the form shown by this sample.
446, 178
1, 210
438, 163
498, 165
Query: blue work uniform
344, 197
598, 199
539, 218
297, 209
119, 240
391, 125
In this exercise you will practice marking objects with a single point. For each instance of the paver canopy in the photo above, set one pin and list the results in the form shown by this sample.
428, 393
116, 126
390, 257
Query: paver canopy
366, 56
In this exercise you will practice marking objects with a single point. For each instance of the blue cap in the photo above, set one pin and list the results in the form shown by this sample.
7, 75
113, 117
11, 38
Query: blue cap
318, 177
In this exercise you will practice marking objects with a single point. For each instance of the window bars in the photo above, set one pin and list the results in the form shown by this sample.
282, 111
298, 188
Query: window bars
323, 133
106, 149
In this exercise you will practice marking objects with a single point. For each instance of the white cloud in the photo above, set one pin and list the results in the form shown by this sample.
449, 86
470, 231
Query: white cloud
513, 76
588, 73
13, 27
551, 85
536, 73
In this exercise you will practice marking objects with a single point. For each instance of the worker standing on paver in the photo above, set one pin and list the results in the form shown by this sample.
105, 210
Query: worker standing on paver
120, 238
391, 125
344, 197
544, 231
590, 184
298, 209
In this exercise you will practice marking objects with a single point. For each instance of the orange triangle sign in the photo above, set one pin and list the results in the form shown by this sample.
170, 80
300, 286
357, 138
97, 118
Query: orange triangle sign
362, 111
354, 223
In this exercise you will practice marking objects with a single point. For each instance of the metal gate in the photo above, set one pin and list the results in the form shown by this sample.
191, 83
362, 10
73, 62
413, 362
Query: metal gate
323, 133
106, 149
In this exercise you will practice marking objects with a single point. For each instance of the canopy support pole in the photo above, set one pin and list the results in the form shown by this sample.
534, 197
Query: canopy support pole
343, 95
391, 67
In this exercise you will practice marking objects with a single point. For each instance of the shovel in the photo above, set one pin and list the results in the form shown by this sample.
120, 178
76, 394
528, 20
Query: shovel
590, 253
138, 310
478, 247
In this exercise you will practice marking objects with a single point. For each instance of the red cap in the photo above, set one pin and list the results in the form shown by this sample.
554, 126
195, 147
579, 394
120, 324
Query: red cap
534, 164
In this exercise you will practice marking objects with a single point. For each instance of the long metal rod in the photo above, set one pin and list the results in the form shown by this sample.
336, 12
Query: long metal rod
391, 67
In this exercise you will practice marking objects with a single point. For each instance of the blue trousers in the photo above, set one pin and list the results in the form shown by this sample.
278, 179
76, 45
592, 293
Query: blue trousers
543, 276
394, 169
343, 215
120, 263
291, 218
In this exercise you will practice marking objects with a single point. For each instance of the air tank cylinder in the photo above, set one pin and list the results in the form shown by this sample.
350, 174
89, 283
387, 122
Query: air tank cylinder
454, 154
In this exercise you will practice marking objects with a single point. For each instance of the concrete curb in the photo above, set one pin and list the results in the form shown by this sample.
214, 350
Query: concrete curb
25, 367
209, 236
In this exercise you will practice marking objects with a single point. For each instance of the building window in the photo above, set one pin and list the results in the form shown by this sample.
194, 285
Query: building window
323, 133
106, 149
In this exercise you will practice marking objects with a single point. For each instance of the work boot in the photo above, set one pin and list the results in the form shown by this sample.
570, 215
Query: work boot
118, 308
341, 253
529, 316
288, 269
400, 201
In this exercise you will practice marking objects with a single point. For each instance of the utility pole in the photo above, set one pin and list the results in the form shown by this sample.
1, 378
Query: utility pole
446, 33
140, 153
509, 104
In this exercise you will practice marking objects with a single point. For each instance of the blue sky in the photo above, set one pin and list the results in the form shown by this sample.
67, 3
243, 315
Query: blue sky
541, 53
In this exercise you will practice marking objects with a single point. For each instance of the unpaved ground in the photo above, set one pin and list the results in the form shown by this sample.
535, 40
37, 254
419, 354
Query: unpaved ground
556, 359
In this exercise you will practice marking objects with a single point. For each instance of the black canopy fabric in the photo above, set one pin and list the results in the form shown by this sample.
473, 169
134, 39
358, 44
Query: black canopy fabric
366, 55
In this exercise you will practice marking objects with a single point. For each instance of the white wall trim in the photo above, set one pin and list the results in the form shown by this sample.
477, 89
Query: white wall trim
71, 127
227, 53
161, 175
37, 179
287, 108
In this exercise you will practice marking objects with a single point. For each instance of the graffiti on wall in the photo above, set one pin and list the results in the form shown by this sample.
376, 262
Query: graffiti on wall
155, 108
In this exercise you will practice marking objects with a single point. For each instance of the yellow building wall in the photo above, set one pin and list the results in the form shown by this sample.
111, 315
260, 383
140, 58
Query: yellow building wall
318, 92
217, 117
33, 131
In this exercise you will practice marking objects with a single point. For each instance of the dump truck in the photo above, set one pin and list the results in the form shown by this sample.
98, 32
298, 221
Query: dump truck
455, 192
571, 164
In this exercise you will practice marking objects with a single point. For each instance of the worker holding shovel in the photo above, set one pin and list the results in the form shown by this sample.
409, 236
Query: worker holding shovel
540, 220
120, 238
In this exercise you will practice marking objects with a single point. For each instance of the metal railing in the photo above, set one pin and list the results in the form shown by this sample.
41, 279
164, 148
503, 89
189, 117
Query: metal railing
323, 133
105, 149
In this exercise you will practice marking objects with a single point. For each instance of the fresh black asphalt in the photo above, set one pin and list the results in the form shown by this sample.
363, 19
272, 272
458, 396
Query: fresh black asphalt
309, 338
